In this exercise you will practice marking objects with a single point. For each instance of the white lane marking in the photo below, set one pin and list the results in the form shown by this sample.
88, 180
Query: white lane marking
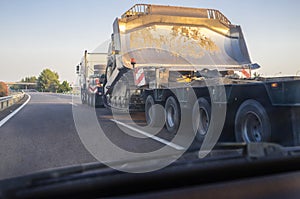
72, 104
3, 121
175, 146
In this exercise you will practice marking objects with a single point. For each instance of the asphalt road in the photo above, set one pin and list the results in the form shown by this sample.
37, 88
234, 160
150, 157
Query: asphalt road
54, 130
42, 135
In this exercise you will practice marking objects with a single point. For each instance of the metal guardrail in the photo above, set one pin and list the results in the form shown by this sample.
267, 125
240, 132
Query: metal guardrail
137, 10
216, 14
8, 101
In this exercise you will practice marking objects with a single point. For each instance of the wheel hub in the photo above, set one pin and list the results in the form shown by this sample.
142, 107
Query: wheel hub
252, 128
204, 121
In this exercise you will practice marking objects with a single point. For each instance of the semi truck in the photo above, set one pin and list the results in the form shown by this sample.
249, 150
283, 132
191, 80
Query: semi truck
91, 71
195, 64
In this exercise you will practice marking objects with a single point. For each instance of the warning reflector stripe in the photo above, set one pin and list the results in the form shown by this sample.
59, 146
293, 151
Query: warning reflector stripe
245, 73
139, 77
93, 90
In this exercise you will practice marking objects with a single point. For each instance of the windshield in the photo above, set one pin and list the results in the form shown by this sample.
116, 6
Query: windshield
114, 83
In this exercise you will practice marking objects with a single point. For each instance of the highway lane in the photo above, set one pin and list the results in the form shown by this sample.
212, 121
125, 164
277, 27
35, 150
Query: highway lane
43, 135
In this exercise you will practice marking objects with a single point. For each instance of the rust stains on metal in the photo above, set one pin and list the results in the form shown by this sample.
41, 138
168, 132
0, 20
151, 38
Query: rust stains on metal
195, 34
179, 40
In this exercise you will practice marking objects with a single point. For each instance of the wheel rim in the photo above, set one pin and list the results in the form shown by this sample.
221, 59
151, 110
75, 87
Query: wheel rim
171, 115
203, 121
252, 128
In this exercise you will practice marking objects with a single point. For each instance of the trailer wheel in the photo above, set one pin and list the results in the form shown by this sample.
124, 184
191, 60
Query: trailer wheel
83, 97
252, 123
93, 103
99, 101
152, 115
172, 115
201, 118
88, 99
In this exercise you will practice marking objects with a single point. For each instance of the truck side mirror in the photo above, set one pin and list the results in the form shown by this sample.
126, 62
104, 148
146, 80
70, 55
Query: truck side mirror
77, 69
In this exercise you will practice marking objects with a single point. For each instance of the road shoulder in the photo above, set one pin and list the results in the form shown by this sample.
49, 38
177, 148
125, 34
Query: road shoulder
6, 112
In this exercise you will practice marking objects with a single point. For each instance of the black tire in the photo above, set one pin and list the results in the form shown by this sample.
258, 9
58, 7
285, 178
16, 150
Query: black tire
201, 118
99, 101
152, 113
295, 126
93, 100
173, 115
252, 123
83, 97
87, 99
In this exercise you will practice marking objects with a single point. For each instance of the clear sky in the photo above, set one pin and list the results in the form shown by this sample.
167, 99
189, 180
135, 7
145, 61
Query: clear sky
38, 34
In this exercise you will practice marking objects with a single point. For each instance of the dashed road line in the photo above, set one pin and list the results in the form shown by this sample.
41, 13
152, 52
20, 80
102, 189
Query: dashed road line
175, 146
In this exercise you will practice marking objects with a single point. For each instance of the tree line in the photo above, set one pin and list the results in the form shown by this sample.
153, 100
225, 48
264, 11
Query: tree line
47, 81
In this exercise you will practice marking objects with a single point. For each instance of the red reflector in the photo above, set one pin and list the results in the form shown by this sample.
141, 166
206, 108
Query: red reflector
132, 61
